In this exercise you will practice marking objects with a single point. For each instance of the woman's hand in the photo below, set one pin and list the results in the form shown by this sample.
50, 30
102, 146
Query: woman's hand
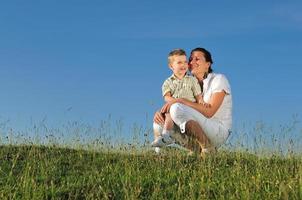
159, 118
206, 105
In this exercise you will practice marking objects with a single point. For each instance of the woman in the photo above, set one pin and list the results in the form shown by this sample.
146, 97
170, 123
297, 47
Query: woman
208, 125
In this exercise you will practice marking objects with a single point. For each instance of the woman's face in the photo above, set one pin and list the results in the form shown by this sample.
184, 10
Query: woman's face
198, 64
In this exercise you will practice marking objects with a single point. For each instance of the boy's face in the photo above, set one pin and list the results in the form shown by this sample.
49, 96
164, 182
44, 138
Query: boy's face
179, 65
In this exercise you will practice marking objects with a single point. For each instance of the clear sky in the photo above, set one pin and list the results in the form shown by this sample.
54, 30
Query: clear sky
85, 60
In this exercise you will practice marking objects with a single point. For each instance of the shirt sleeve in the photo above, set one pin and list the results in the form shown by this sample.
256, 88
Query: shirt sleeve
220, 83
195, 87
166, 87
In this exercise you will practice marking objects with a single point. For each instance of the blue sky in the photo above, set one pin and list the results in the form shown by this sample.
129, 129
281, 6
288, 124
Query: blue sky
86, 60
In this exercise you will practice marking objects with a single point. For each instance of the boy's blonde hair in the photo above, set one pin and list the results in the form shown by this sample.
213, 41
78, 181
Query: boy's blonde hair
176, 52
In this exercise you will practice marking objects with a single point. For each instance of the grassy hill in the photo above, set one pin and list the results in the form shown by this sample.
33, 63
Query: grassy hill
39, 172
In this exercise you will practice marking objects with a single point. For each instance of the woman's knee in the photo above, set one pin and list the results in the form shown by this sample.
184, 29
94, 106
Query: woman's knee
176, 110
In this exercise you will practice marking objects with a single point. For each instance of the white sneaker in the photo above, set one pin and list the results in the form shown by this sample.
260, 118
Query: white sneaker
157, 150
162, 141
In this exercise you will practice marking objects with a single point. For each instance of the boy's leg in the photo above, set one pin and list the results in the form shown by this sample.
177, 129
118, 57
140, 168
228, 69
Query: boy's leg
165, 138
157, 132
168, 123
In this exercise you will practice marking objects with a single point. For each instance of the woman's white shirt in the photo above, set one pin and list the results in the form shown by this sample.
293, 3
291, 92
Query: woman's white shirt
218, 83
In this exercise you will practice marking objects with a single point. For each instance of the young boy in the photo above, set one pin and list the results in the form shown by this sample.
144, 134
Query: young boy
179, 85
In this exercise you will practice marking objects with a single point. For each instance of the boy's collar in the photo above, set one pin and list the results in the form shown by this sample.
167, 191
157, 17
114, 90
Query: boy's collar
174, 77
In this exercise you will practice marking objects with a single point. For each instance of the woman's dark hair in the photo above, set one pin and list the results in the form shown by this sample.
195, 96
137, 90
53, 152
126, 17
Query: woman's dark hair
207, 56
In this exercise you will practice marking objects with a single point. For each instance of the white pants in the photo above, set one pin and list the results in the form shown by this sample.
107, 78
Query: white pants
180, 114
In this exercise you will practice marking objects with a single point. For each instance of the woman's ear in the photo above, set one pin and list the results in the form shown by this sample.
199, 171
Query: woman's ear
208, 66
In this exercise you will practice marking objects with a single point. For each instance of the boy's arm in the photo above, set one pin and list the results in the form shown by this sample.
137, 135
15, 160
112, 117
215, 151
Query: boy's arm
168, 97
170, 100
166, 91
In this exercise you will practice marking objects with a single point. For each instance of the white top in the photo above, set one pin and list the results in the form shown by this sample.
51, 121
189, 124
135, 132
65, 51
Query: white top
218, 83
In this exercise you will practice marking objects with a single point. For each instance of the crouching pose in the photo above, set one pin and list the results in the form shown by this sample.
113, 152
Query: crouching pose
178, 85
198, 127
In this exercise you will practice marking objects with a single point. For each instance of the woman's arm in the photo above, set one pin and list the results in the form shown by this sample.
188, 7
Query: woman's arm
199, 99
208, 111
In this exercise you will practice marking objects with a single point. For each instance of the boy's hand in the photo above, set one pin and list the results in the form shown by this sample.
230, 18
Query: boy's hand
165, 108
159, 118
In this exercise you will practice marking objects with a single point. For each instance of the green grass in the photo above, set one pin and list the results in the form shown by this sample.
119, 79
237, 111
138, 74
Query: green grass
40, 172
